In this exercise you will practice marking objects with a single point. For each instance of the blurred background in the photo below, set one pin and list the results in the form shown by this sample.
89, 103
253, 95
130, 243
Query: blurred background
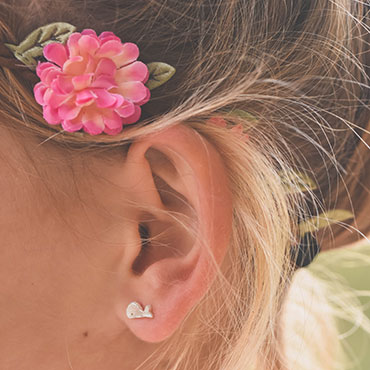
350, 268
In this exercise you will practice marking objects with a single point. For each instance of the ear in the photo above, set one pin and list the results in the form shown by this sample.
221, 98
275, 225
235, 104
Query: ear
179, 177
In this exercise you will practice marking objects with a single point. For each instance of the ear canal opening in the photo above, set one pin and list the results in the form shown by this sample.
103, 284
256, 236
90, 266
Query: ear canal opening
138, 267
160, 239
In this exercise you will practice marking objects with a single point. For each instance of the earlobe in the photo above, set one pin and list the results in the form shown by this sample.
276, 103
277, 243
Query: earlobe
181, 181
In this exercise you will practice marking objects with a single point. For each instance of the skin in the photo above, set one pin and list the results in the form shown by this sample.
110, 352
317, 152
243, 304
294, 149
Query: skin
69, 241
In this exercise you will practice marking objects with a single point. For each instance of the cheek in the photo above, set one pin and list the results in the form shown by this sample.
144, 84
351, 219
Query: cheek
27, 223
20, 244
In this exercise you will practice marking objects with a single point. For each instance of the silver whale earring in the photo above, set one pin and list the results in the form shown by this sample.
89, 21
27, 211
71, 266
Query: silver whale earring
135, 311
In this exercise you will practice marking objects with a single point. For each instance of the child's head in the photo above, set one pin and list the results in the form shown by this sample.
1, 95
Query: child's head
175, 211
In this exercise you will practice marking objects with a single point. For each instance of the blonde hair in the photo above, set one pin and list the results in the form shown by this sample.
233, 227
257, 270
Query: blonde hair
299, 69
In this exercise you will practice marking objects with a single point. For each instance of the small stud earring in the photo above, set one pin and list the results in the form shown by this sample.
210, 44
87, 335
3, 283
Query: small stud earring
135, 311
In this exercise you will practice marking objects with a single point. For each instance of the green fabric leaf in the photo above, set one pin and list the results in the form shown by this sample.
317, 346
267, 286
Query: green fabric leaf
295, 182
32, 46
159, 73
243, 114
324, 220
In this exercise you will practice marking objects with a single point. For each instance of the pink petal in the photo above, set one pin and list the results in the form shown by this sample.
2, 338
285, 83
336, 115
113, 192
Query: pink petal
55, 86
133, 118
70, 126
82, 82
49, 75
136, 71
45, 72
104, 98
119, 100
106, 67
88, 44
42, 66
113, 121
65, 84
72, 44
92, 128
107, 36
104, 82
53, 99
68, 112
146, 77
39, 91
112, 132
90, 65
93, 121
126, 110
133, 90
75, 66
56, 53
85, 97
146, 99
89, 31
51, 115
130, 52
110, 49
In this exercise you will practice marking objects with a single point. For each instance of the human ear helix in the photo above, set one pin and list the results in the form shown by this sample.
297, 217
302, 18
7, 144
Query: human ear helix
135, 311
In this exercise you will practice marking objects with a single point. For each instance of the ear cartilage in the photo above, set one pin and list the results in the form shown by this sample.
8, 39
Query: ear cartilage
135, 311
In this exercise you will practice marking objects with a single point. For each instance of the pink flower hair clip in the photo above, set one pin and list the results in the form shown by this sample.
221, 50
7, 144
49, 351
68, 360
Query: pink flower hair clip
89, 82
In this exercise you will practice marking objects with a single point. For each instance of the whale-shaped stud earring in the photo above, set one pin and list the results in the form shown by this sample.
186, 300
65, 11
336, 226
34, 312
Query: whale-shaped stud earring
135, 311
